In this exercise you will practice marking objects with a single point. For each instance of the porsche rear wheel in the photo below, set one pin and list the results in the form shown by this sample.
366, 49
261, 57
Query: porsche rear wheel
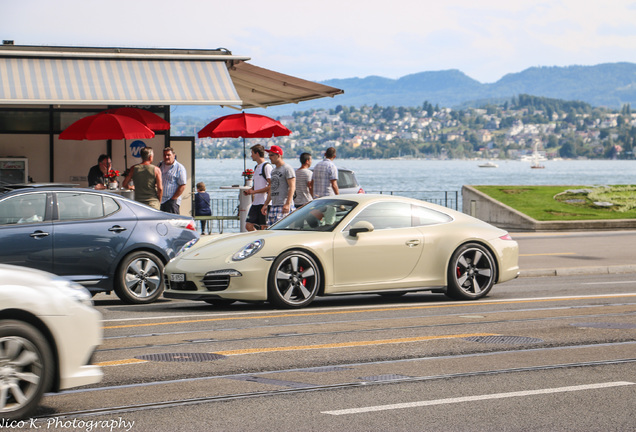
294, 280
471, 272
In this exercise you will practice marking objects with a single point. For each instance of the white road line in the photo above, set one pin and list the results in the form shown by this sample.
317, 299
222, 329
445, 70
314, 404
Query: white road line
478, 398
608, 283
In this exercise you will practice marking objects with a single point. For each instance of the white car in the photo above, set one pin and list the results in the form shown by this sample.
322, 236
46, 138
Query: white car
49, 331
347, 244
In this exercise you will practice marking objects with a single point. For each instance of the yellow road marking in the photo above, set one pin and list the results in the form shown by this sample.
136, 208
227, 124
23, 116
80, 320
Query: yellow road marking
121, 362
342, 312
351, 344
549, 254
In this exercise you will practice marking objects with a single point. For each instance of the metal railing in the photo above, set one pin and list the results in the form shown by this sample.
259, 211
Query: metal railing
224, 205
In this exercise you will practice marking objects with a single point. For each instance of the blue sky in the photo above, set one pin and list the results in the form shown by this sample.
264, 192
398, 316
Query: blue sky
485, 39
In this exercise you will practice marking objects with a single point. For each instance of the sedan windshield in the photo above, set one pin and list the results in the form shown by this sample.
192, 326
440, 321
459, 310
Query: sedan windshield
318, 215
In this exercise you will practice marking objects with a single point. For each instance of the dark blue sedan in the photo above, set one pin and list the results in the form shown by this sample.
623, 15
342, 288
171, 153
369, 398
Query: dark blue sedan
98, 239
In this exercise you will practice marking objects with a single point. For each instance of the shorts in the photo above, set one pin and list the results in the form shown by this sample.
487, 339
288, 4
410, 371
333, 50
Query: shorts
255, 217
275, 214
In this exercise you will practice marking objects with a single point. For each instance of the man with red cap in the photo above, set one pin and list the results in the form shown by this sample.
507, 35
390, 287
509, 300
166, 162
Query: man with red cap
282, 187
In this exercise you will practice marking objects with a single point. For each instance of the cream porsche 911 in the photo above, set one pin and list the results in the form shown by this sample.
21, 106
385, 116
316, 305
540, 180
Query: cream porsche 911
347, 244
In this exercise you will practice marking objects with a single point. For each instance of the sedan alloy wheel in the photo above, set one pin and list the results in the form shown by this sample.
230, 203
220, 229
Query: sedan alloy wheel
26, 368
139, 278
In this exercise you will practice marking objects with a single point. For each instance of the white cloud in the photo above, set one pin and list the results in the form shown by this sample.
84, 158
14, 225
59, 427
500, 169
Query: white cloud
339, 39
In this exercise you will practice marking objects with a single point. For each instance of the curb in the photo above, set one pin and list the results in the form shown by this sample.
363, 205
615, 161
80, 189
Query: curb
575, 271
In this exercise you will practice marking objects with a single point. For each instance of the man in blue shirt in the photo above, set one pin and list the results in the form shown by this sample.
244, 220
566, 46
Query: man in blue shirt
173, 177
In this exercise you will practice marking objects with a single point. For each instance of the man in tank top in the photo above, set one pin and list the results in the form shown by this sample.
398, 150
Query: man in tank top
146, 180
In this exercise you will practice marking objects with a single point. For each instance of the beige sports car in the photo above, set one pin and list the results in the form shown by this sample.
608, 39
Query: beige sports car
347, 244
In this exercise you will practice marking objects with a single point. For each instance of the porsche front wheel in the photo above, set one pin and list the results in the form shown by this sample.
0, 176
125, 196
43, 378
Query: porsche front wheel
471, 272
294, 280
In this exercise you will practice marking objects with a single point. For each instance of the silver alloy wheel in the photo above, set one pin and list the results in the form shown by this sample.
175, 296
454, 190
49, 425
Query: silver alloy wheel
143, 277
139, 279
25, 369
472, 272
295, 279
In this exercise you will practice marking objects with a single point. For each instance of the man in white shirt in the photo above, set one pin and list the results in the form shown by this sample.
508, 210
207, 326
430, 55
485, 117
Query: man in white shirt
262, 177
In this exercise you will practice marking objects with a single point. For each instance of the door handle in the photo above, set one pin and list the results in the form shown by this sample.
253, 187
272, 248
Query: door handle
412, 243
116, 229
38, 234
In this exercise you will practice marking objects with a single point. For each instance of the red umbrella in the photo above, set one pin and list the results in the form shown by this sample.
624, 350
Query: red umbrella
105, 126
244, 125
150, 119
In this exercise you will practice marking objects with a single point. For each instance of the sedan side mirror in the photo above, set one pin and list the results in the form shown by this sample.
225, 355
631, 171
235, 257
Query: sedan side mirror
360, 227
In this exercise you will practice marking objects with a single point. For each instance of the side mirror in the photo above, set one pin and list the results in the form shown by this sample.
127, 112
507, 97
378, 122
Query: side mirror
360, 227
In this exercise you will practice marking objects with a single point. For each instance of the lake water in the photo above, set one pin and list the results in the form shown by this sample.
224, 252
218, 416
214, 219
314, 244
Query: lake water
442, 175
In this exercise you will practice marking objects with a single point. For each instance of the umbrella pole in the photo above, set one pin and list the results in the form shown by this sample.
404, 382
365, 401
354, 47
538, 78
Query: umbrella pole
125, 157
244, 155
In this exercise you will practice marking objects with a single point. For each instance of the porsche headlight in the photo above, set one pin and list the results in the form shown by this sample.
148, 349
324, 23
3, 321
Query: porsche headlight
248, 250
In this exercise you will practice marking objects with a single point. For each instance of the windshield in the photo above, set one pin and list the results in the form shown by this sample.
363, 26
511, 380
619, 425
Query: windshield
318, 215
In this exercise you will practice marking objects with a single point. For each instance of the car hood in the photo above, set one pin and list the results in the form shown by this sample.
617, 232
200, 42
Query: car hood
223, 246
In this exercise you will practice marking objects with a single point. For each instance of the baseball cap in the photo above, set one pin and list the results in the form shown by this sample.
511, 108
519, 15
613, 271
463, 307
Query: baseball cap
275, 149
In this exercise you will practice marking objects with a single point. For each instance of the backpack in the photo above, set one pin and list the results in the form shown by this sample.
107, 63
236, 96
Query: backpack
263, 169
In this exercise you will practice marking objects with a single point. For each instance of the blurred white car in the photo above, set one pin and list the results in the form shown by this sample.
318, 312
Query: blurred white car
49, 331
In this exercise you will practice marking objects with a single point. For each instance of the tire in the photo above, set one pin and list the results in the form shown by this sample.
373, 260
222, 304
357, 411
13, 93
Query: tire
27, 369
471, 273
139, 278
294, 280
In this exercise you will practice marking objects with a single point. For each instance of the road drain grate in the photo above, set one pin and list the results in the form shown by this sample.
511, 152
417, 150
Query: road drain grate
617, 326
509, 340
386, 377
181, 357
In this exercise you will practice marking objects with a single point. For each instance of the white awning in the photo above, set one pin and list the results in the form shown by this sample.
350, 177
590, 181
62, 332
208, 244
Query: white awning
32, 75
115, 82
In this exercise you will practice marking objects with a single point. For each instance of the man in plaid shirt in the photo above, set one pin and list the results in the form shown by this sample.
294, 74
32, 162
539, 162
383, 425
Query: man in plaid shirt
326, 175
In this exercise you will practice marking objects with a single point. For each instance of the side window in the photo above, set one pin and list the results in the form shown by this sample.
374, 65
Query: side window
110, 206
386, 215
79, 206
28, 208
424, 216
346, 179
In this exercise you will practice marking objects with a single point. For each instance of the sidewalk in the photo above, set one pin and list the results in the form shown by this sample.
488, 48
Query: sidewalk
567, 253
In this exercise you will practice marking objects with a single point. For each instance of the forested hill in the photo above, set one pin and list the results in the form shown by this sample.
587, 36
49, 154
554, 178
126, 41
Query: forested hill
610, 85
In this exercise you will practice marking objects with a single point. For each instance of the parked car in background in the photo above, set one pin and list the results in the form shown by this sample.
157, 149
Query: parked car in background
348, 183
98, 239
49, 331
365, 244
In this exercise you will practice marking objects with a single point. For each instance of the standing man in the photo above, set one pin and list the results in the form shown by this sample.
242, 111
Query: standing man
283, 186
146, 180
304, 183
262, 177
326, 175
174, 178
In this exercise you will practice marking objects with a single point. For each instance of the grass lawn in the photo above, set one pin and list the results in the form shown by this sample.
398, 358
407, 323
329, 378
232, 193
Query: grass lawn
552, 203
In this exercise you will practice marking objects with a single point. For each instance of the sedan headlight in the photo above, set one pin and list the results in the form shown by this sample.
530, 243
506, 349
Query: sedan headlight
186, 246
248, 250
74, 290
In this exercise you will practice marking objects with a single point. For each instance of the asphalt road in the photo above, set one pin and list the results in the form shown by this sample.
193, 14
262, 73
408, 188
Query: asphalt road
539, 353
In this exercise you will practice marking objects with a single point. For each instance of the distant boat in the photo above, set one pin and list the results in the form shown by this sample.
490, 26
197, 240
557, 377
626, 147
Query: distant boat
488, 165
535, 162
